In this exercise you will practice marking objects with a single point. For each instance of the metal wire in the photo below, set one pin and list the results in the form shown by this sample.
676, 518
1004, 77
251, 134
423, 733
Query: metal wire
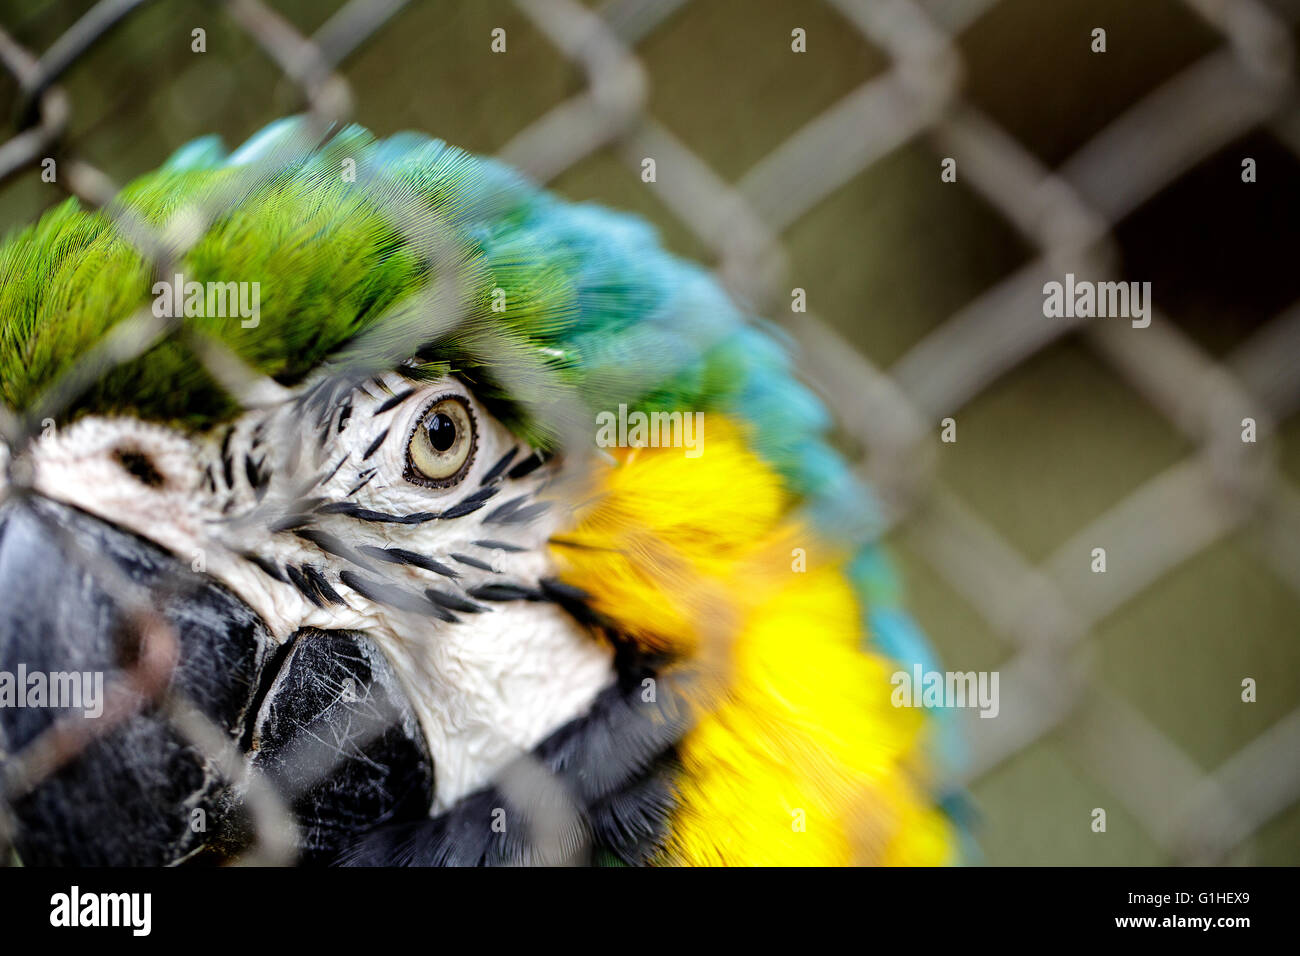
1045, 612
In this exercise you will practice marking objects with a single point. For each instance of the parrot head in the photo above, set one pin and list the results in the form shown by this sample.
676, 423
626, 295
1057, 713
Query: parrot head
344, 566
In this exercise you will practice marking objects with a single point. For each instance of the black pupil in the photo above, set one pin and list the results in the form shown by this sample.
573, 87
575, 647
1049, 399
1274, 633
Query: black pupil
442, 432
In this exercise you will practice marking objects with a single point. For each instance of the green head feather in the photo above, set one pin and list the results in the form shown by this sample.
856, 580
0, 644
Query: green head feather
374, 253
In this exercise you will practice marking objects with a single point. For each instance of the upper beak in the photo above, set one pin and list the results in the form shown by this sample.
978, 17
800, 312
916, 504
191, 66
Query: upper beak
95, 773
113, 777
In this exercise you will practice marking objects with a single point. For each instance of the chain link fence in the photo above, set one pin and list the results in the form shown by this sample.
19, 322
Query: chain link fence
914, 93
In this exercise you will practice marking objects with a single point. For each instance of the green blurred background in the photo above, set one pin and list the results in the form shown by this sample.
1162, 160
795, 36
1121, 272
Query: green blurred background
886, 259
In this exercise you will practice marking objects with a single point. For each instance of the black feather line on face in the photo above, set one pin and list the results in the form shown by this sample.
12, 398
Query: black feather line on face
374, 445
492, 545
319, 395
454, 602
300, 582
402, 556
508, 508
322, 586
309, 586
267, 566
227, 463
568, 595
257, 475
306, 505
559, 541
502, 463
483, 494
528, 465
393, 402
470, 562
512, 513
395, 597
332, 544
505, 592
325, 480
470, 504
364, 478
573, 600
353, 510
324, 425
292, 522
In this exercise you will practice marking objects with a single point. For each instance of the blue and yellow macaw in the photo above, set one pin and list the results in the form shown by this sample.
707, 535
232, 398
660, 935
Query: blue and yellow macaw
406, 580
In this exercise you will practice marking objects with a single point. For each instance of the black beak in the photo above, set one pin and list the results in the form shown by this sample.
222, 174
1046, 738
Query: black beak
127, 794
103, 635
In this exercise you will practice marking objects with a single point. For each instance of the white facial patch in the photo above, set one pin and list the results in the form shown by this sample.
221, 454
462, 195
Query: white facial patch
308, 512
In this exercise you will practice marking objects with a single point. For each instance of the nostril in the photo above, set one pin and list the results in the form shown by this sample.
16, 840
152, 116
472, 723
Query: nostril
140, 466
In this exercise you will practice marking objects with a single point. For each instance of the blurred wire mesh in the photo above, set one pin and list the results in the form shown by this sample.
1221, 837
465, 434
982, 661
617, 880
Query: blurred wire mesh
821, 171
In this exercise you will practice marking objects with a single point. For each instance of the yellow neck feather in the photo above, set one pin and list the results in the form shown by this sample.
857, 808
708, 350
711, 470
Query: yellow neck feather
797, 755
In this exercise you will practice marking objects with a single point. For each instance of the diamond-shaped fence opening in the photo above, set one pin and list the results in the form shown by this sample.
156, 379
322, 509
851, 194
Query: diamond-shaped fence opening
823, 170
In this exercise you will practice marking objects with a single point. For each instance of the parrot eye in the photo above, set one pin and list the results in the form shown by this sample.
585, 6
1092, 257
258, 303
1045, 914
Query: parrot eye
441, 448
